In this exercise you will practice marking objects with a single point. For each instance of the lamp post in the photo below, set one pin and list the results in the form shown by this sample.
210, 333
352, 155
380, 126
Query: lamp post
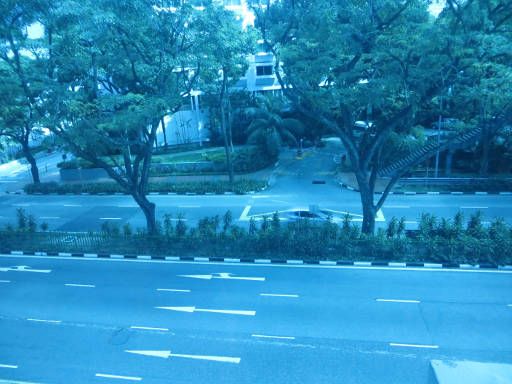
436, 172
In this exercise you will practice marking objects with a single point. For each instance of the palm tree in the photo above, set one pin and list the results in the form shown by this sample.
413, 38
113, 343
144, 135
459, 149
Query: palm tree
268, 125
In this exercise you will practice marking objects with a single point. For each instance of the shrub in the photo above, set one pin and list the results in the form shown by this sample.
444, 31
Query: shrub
240, 187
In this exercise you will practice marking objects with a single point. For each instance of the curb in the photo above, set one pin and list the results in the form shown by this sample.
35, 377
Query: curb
251, 260
504, 193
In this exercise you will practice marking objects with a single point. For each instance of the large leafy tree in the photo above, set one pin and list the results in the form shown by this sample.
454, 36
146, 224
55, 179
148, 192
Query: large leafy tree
21, 87
378, 61
119, 68
482, 32
225, 46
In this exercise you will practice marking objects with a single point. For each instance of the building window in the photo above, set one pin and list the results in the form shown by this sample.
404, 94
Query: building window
264, 70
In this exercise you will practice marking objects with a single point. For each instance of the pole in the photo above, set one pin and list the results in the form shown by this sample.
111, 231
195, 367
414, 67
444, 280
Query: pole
436, 172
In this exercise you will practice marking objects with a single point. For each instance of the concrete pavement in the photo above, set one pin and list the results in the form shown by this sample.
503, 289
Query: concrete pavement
210, 323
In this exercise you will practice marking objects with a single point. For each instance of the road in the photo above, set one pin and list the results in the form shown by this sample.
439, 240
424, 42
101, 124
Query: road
296, 183
83, 213
106, 321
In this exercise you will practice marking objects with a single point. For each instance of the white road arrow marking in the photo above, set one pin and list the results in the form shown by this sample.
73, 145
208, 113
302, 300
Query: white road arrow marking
224, 311
225, 276
24, 268
167, 354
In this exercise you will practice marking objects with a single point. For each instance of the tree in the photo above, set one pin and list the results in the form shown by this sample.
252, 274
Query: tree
225, 47
268, 122
482, 30
21, 88
371, 61
119, 69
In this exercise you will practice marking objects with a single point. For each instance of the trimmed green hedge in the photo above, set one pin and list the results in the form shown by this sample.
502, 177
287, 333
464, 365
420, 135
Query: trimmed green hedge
202, 187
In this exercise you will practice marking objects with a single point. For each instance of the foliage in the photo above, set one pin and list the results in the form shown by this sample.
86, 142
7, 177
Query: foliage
218, 187
373, 72
304, 239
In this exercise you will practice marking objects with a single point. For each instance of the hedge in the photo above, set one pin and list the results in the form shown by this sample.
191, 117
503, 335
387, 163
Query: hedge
218, 187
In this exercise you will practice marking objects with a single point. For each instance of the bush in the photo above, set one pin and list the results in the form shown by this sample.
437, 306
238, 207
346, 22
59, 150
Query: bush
240, 187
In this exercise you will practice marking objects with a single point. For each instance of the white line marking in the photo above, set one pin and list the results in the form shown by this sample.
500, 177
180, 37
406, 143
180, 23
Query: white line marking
127, 206
106, 375
80, 285
509, 305
224, 311
474, 207
110, 218
414, 345
246, 210
45, 321
172, 290
319, 266
189, 206
21, 205
17, 382
5, 281
274, 337
149, 328
167, 354
398, 301
72, 205
279, 294
398, 206
49, 217
8, 366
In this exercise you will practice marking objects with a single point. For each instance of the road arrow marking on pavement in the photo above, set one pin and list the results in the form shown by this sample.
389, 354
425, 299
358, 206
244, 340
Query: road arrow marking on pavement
167, 354
224, 311
24, 268
223, 275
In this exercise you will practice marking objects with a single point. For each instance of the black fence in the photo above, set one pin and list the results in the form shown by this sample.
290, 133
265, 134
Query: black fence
309, 245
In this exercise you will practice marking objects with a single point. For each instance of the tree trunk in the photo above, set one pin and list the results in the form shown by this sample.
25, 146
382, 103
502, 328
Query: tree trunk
369, 212
484, 162
163, 130
448, 165
33, 163
148, 208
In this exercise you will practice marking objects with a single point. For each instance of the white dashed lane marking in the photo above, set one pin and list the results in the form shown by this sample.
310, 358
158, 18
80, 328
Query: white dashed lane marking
109, 376
172, 290
414, 345
8, 366
149, 328
279, 295
44, 321
398, 301
273, 337
80, 285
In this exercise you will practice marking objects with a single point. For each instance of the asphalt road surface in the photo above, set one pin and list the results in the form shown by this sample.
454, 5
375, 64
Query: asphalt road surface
106, 321
83, 213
